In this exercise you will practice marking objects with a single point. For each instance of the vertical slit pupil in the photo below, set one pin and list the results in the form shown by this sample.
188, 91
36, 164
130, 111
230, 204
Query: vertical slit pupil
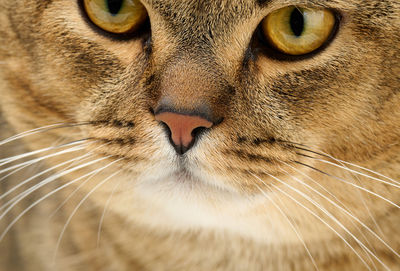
114, 6
297, 22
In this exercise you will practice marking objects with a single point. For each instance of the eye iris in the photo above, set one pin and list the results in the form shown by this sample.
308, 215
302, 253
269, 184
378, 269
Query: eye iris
116, 16
298, 31
297, 22
114, 6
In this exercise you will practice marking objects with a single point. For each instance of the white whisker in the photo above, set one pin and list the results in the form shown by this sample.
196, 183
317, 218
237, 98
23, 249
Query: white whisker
321, 153
363, 200
291, 225
72, 193
318, 217
21, 166
339, 201
14, 171
354, 185
396, 184
79, 187
367, 169
346, 212
20, 156
40, 174
40, 130
313, 181
46, 181
104, 212
343, 163
331, 194
331, 217
81, 202
47, 195
30, 132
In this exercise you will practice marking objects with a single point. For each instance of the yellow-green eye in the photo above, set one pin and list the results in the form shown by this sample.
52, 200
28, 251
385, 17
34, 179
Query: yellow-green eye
116, 16
298, 31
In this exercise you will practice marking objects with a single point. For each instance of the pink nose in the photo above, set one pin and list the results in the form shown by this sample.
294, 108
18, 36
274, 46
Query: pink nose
182, 127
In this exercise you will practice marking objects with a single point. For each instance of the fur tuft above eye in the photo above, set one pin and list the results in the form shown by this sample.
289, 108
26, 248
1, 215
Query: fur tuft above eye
298, 31
116, 16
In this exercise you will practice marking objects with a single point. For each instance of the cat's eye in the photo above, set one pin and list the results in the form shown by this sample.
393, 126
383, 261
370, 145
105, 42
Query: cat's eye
116, 16
298, 31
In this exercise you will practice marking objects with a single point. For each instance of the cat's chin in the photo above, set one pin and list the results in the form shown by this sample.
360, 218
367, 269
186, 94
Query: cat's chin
180, 201
185, 181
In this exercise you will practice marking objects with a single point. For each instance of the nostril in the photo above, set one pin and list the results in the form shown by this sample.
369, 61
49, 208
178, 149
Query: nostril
183, 130
166, 129
197, 132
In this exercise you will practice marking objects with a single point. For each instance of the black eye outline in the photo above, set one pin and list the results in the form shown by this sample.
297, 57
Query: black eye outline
260, 45
144, 31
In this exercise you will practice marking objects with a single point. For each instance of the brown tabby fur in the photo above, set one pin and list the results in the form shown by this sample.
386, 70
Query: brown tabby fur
205, 210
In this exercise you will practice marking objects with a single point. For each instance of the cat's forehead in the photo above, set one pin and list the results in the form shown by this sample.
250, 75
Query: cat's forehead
197, 15
208, 12
238, 8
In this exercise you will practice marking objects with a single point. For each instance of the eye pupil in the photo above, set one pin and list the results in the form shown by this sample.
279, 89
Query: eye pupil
297, 22
114, 6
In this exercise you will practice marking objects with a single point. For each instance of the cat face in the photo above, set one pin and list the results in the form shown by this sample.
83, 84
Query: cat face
253, 116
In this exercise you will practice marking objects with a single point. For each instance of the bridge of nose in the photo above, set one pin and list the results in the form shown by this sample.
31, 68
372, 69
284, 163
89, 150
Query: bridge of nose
189, 96
188, 85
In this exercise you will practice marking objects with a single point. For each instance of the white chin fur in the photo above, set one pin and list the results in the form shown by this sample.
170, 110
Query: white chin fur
178, 203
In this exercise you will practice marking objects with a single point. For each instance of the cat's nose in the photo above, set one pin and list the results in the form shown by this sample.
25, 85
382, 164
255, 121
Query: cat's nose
184, 129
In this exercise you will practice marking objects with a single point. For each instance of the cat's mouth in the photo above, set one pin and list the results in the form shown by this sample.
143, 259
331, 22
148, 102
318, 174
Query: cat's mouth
184, 175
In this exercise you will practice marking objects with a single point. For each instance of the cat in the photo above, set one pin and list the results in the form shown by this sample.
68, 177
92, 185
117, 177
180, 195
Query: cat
200, 135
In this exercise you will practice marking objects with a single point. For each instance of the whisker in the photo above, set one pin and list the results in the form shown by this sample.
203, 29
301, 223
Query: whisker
72, 193
334, 219
47, 195
41, 130
343, 163
366, 169
291, 225
329, 215
316, 216
46, 181
312, 180
104, 212
79, 187
348, 213
18, 169
20, 156
21, 166
40, 174
361, 195
350, 183
323, 154
331, 194
354, 171
339, 201
20, 135
81, 202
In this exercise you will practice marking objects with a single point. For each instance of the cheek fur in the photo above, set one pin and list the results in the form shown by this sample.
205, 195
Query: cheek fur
192, 145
